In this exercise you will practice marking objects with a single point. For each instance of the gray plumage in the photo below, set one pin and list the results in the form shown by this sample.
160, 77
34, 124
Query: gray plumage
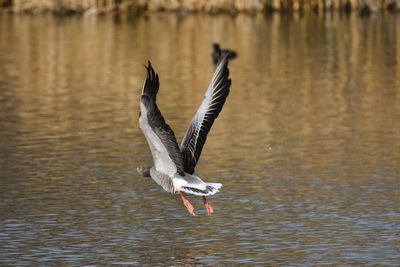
156, 120
174, 165
163, 180
213, 101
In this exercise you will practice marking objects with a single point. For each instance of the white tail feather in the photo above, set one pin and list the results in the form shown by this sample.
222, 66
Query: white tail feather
215, 185
193, 184
209, 189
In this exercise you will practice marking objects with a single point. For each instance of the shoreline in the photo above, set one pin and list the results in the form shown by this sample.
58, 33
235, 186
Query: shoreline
96, 7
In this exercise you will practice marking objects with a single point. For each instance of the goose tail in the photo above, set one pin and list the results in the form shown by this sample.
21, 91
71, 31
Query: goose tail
194, 185
208, 189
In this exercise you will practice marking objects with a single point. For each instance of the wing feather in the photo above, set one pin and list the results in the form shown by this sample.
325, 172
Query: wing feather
166, 154
218, 52
213, 101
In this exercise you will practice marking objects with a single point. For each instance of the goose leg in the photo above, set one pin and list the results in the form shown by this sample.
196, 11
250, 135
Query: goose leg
187, 204
207, 205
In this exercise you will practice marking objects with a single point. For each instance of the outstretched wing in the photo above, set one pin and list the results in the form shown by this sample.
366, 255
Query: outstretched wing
213, 101
166, 154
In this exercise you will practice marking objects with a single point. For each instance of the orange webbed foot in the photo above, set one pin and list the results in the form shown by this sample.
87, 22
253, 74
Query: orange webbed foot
207, 206
187, 204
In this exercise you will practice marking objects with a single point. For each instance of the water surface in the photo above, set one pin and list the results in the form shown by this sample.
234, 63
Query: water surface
307, 146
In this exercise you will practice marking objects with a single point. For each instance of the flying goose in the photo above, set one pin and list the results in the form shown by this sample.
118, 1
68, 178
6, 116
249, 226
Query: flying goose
174, 164
218, 52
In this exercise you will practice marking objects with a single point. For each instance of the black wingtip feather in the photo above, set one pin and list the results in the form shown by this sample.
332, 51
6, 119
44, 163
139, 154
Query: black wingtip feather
218, 53
151, 83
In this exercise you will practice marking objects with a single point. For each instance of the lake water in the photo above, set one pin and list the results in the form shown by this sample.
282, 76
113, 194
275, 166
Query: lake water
307, 146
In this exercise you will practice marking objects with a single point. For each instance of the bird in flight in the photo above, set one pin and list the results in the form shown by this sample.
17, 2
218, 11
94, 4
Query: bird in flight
174, 165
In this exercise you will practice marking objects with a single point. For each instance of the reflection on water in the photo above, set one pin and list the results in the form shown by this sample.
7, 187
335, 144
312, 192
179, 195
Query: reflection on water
307, 146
